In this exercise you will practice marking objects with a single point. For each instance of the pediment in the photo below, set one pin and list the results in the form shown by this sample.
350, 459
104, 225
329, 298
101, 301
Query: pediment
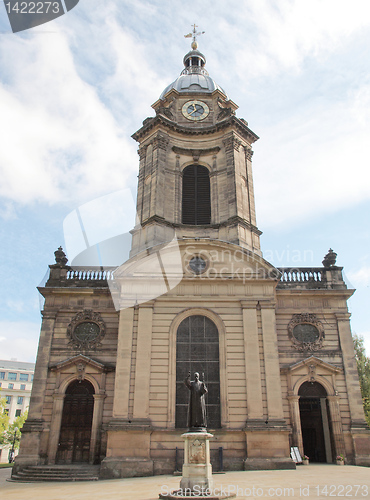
80, 361
173, 261
224, 260
313, 363
159, 270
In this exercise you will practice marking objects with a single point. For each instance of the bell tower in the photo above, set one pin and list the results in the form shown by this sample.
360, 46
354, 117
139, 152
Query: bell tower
195, 175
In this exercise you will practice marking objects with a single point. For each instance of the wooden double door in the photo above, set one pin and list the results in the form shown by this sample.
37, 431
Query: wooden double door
75, 431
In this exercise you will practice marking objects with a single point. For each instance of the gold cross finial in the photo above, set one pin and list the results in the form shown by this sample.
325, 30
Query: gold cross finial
194, 35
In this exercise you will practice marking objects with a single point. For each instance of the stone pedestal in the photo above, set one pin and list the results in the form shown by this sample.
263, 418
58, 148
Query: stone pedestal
197, 468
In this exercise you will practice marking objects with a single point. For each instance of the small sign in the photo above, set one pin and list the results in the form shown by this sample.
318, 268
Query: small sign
295, 455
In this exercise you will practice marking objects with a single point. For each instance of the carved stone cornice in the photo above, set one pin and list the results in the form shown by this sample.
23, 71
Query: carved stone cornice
232, 142
165, 110
232, 221
342, 316
161, 120
160, 142
142, 152
195, 153
81, 359
248, 153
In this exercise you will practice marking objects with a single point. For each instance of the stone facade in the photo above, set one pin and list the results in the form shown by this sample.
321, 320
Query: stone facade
285, 349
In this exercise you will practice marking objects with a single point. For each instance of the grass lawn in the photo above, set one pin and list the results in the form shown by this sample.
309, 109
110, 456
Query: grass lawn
6, 465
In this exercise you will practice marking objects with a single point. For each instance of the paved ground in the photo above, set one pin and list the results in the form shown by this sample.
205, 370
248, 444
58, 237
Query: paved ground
312, 481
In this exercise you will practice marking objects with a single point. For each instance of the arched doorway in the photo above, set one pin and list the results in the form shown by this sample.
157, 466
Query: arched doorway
197, 350
75, 431
314, 413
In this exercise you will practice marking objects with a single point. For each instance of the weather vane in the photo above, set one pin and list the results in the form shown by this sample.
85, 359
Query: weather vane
194, 34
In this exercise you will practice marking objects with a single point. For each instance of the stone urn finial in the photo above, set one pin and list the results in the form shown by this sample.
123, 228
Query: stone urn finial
330, 259
60, 257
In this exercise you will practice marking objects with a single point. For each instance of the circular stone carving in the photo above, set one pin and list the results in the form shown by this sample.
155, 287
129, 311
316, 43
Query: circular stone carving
197, 264
306, 332
86, 330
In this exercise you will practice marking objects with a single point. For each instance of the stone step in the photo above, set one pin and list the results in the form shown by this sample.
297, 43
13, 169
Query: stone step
57, 473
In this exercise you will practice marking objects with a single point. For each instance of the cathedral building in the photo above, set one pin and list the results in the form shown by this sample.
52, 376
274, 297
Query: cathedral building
273, 346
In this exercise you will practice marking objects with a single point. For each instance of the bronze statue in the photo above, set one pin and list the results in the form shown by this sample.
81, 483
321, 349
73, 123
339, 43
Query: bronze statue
197, 419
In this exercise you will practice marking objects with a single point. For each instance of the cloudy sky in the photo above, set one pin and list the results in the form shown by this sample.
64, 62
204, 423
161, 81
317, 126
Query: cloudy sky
74, 90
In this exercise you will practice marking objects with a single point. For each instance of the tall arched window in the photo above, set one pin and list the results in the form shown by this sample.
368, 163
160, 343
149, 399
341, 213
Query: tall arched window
197, 350
196, 198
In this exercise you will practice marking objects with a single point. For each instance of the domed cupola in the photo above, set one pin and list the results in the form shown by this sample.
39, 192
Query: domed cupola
194, 77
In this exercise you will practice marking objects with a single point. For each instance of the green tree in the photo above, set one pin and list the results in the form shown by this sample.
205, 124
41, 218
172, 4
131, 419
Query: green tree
13, 433
363, 368
4, 420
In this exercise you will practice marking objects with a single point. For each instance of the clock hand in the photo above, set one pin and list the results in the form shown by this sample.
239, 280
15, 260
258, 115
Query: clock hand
197, 108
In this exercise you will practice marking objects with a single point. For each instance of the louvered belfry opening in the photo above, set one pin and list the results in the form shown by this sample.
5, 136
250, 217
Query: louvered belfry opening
196, 198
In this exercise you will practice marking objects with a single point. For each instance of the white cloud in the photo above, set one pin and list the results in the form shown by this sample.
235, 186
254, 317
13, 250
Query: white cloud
61, 142
361, 277
366, 337
312, 162
361, 105
19, 339
290, 31
15, 305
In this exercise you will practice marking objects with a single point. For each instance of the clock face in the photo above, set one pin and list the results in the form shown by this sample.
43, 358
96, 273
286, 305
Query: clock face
195, 110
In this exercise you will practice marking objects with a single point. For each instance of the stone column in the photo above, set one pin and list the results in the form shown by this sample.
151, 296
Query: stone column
272, 367
336, 425
56, 422
143, 358
350, 368
252, 360
123, 367
95, 426
296, 422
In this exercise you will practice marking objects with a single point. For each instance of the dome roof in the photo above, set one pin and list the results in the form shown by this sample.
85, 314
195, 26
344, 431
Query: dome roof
194, 78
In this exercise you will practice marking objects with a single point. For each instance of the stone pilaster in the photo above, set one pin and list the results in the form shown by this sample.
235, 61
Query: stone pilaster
41, 369
336, 424
295, 418
123, 368
56, 421
252, 360
96, 426
31, 432
143, 357
350, 368
272, 367
157, 200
